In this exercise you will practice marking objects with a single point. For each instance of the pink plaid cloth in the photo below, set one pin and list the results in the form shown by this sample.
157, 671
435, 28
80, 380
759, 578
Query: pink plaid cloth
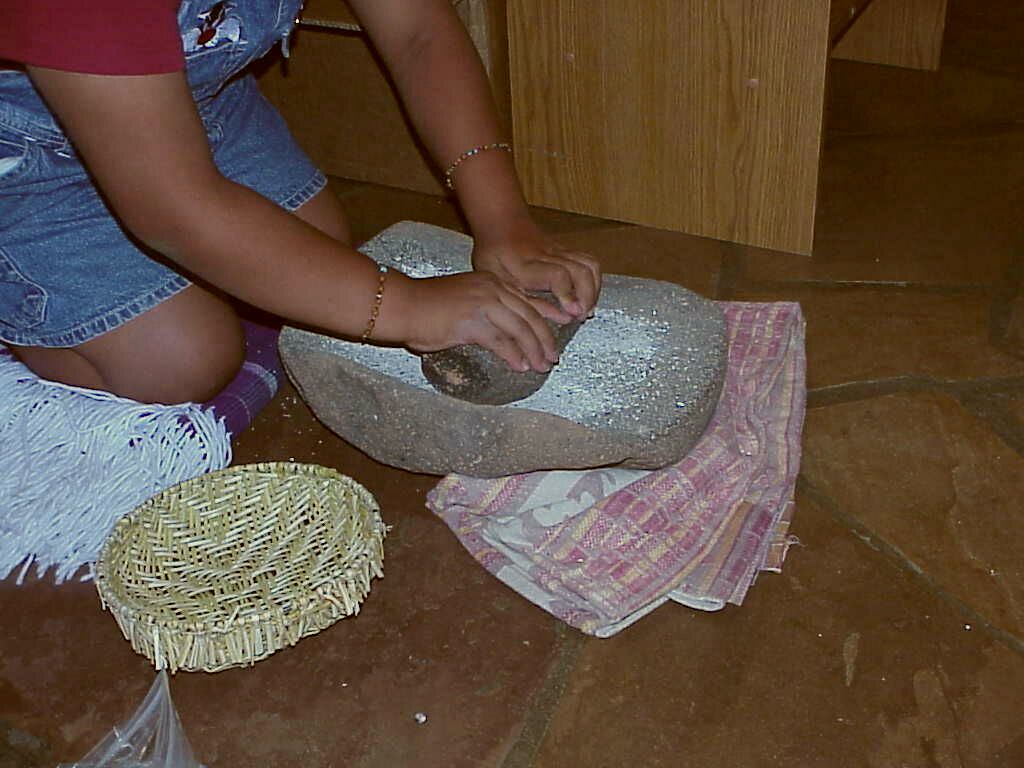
600, 548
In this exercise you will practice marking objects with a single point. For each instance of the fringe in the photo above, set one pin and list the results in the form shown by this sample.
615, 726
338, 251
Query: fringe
76, 460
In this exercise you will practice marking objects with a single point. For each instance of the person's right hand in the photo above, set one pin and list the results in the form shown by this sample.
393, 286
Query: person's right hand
477, 308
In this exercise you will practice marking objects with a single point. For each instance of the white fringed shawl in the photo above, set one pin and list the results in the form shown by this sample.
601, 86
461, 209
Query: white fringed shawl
73, 461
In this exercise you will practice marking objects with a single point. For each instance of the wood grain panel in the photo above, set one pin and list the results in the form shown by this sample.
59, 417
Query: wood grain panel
680, 114
497, 60
843, 14
902, 33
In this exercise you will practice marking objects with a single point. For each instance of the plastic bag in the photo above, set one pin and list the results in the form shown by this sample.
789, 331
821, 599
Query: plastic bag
150, 738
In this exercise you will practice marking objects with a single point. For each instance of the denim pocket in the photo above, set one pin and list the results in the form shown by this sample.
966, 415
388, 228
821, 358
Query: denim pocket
22, 302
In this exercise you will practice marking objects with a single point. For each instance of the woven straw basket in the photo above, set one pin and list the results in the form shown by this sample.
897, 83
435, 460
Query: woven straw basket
225, 569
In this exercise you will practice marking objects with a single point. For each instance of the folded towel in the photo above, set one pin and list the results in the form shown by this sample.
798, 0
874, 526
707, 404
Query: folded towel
601, 548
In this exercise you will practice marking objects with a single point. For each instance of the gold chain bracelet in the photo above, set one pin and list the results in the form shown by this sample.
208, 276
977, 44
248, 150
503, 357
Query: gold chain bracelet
378, 299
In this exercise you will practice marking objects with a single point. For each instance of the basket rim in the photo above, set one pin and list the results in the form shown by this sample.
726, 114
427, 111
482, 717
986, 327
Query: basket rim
309, 600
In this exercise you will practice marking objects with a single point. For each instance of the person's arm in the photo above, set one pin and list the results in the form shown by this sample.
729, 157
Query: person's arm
442, 83
143, 141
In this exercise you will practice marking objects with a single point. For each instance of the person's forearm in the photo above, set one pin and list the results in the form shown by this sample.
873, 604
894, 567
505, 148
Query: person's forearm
143, 142
248, 247
147, 150
444, 87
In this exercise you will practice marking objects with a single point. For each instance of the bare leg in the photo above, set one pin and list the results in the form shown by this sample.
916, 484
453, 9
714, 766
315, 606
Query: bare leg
187, 348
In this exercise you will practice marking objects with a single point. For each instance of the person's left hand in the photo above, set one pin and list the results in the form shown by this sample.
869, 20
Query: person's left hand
527, 258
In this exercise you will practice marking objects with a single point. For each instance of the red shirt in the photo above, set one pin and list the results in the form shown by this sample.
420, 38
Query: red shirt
103, 37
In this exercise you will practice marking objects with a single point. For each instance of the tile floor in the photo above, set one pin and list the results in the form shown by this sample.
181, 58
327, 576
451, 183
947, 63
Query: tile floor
895, 634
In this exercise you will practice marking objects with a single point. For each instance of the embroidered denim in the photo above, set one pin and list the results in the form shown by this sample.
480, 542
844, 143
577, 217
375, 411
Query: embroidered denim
68, 271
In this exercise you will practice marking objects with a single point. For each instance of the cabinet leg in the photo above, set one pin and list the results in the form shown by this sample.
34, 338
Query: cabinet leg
901, 33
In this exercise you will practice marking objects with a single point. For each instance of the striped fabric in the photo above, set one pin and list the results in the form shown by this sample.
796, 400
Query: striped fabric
255, 385
600, 548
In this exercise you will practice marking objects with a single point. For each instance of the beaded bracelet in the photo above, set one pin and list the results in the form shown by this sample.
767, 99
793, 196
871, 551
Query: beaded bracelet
378, 299
449, 178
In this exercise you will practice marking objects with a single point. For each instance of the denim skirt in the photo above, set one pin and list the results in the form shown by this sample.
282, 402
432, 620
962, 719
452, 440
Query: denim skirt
68, 270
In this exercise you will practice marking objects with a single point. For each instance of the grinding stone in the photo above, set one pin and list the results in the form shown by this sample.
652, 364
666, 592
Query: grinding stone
635, 388
477, 375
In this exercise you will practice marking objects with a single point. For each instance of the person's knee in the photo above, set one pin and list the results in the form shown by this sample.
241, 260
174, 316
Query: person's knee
185, 350
206, 367
188, 370
179, 373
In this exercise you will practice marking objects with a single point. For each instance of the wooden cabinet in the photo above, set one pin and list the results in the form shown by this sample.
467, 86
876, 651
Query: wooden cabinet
701, 116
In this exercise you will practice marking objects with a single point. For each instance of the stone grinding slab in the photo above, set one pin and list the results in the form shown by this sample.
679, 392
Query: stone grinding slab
635, 387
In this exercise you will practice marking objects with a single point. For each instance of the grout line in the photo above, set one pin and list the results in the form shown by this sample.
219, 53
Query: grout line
994, 129
903, 561
838, 394
998, 417
854, 391
1001, 310
948, 289
524, 750
1010, 385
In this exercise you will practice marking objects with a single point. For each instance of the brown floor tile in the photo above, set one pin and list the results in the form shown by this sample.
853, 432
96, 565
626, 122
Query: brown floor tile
1000, 407
929, 261
938, 210
22, 750
957, 187
66, 673
692, 262
427, 640
935, 482
933, 261
864, 334
843, 660
984, 34
1013, 333
1016, 407
874, 99
563, 222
